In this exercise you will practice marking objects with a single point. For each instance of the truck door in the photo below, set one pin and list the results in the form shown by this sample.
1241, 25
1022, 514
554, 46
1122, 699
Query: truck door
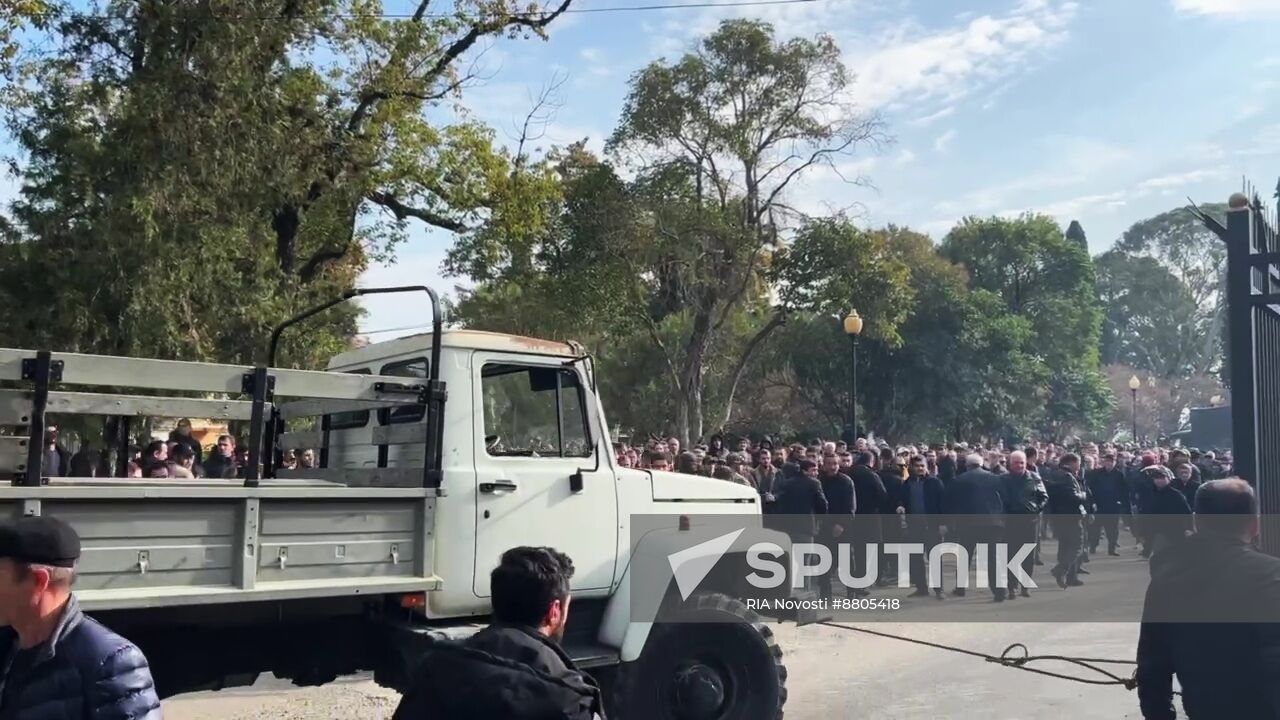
532, 436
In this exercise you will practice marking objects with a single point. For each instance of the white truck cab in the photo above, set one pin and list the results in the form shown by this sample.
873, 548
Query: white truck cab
526, 461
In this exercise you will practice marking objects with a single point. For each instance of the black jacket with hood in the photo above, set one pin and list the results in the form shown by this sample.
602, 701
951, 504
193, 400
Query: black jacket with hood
504, 672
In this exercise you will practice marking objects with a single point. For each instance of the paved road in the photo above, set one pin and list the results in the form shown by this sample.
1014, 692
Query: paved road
840, 674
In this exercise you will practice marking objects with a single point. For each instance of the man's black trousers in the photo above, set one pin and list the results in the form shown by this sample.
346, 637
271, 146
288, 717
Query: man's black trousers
1109, 523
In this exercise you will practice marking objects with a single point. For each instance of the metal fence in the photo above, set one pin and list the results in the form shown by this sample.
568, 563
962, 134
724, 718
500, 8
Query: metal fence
1253, 311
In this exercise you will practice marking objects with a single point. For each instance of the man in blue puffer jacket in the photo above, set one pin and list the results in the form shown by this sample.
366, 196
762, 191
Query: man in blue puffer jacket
56, 663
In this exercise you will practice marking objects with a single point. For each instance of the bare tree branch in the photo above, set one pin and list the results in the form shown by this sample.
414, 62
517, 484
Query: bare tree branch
775, 322
539, 116
402, 211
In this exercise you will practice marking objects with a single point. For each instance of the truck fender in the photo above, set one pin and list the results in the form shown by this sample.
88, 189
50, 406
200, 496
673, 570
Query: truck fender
630, 613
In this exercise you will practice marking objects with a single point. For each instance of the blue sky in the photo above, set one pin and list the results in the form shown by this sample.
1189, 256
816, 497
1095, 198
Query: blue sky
1103, 111
1106, 112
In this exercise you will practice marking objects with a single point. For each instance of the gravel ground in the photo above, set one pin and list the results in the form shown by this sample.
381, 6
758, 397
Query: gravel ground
835, 673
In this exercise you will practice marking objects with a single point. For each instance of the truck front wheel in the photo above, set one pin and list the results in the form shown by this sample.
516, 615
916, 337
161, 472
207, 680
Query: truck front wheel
718, 662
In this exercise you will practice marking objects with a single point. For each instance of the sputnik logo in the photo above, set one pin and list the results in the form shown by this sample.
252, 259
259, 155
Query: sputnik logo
691, 565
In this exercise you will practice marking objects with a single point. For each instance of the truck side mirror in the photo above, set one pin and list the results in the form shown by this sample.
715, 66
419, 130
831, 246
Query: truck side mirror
591, 407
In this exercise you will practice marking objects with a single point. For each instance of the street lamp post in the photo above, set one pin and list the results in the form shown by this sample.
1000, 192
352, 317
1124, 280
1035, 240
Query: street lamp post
852, 328
1134, 384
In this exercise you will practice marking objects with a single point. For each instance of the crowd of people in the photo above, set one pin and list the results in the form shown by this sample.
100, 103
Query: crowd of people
181, 456
62, 664
871, 492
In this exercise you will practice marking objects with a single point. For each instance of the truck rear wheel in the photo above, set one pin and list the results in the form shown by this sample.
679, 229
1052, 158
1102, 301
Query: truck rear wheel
720, 662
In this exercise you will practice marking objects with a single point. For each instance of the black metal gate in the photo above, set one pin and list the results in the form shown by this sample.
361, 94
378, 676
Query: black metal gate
1253, 316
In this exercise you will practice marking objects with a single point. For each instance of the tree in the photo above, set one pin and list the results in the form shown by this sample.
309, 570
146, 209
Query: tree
1180, 243
1048, 279
958, 364
1151, 319
192, 172
1075, 233
714, 141
742, 117
15, 17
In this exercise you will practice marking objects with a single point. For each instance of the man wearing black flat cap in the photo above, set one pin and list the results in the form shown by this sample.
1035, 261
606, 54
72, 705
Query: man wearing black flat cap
56, 663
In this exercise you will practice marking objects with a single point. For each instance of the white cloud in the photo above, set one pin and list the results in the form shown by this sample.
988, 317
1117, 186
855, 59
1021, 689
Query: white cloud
1068, 209
1069, 161
1228, 8
933, 117
899, 63
594, 62
1176, 180
1096, 203
681, 27
906, 157
917, 64
944, 140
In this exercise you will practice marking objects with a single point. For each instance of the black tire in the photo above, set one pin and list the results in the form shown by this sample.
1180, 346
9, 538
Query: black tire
720, 662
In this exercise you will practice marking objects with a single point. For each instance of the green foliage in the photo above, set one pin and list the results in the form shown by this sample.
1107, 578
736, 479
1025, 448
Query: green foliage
1075, 233
832, 266
1196, 259
1161, 287
1047, 279
17, 16
688, 252
1152, 320
1185, 247
189, 178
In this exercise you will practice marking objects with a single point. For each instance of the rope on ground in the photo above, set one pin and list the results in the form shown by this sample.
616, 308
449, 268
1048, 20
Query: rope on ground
1020, 661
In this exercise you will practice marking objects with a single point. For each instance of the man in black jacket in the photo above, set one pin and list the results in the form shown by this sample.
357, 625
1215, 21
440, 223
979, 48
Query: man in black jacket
1111, 498
1025, 498
182, 436
921, 503
871, 497
1067, 511
1140, 491
892, 473
946, 465
221, 463
57, 461
1212, 617
975, 501
56, 663
800, 501
841, 506
1184, 481
514, 669
1167, 515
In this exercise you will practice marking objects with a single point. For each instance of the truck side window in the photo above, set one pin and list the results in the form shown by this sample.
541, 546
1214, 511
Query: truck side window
534, 411
353, 419
415, 368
